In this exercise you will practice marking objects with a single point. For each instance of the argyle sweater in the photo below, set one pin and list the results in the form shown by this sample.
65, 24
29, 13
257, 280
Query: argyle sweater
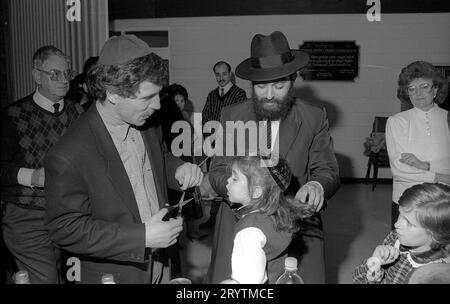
27, 134
214, 103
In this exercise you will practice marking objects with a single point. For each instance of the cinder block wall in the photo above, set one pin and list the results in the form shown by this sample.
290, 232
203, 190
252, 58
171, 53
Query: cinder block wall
385, 47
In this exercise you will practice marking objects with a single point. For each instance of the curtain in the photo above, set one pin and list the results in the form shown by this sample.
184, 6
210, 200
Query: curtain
35, 23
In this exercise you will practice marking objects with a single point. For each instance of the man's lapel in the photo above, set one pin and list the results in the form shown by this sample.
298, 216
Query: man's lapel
153, 149
288, 132
115, 170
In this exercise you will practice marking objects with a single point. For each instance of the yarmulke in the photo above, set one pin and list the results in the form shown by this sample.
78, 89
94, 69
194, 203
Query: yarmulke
122, 49
279, 170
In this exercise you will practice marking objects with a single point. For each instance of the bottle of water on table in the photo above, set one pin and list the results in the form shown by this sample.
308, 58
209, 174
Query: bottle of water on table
290, 275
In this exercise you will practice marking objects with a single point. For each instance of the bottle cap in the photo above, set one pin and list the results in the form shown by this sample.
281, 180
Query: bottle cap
290, 263
108, 279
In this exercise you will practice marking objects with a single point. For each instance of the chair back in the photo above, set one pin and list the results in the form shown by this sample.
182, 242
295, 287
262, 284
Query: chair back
379, 124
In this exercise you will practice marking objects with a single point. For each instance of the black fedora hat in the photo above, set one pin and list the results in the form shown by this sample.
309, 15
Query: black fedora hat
271, 58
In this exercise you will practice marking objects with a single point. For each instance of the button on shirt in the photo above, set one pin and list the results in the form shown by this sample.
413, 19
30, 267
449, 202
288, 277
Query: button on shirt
131, 148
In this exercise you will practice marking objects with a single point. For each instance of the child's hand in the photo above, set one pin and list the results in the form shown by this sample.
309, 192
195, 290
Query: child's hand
386, 254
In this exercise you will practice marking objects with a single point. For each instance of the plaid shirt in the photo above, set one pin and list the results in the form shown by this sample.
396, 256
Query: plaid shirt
400, 270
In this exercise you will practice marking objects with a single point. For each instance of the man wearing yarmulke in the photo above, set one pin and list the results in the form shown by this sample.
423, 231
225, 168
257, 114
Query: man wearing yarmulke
298, 132
107, 178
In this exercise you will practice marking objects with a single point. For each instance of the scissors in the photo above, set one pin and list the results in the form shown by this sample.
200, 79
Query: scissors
172, 210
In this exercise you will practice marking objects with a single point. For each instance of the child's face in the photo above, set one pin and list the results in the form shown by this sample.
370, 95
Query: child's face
410, 232
237, 186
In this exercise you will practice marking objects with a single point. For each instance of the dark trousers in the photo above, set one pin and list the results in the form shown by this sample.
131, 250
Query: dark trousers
394, 214
28, 240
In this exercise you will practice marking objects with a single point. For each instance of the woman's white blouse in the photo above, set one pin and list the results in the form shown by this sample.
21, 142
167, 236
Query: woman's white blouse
424, 134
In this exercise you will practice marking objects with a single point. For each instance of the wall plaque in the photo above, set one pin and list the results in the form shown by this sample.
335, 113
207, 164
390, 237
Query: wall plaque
331, 60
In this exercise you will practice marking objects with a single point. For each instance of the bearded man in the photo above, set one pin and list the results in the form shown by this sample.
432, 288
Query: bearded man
298, 132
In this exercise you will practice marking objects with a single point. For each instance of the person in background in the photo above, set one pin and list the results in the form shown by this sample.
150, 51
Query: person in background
224, 95
78, 87
418, 140
172, 110
267, 218
297, 131
30, 127
107, 178
421, 237
180, 96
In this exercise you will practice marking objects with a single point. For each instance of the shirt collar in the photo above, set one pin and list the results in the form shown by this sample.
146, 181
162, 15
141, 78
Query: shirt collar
429, 112
46, 103
115, 126
418, 259
226, 88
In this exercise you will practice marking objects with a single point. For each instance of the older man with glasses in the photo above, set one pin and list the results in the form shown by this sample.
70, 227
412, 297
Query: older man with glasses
29, 128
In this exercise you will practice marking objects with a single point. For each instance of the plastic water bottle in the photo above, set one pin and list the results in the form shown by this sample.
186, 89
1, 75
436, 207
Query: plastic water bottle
290, 275
108, 279
21, 277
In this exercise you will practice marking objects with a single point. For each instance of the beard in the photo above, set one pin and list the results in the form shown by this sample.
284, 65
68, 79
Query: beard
275, 109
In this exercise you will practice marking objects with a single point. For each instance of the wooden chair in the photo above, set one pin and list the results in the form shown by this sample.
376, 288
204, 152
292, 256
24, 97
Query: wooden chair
376, 149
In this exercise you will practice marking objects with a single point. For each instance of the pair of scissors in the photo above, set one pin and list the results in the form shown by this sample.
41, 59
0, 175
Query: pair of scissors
171, 209
182, 202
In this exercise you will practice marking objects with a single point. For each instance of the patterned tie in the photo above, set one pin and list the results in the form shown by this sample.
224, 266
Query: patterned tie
269, 134
56, 106
221, 92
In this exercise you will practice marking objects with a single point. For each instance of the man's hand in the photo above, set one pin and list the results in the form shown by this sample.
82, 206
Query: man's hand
38, 178
159, 234
411, 160
386, 254
188, 175
312, 194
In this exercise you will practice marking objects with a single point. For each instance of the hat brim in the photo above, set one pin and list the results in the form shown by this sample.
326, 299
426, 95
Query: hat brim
245, 70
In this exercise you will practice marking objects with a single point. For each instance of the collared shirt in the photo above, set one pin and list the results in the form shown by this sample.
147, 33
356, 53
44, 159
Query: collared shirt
226, 88
24, 174
46, 103
131, 148
424, 134
398, 271
274, 127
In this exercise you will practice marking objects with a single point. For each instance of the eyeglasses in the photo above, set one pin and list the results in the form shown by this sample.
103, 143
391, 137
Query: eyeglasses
424, 87
57, 75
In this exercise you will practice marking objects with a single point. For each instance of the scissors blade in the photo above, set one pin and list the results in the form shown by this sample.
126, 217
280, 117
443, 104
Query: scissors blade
182, 204
185, 202
181, 199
